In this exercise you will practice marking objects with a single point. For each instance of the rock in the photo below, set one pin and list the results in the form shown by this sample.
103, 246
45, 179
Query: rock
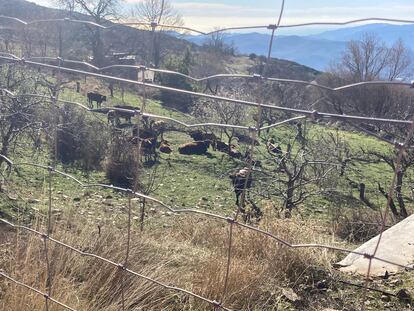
33, 201
404, 296
290, 295
108, 203
169, 213
135, 218
386, 298
396, 282
76, 199
204, 199
323, 284
108, 197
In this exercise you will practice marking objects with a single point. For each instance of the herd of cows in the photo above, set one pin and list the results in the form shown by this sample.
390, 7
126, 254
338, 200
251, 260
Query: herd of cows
151, 135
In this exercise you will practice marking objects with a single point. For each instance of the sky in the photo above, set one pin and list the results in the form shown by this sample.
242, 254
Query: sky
210, 14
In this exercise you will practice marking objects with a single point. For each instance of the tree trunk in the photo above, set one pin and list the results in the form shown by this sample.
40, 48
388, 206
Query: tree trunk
289, 205
97, 48
392, 204
399, 195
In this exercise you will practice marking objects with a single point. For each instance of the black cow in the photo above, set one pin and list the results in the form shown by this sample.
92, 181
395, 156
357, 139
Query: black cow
195, 147
95, 97
241, 180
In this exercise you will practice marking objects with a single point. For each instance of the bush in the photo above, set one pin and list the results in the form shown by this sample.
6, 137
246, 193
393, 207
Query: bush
359, 226
178, 101
121, 164
81, 139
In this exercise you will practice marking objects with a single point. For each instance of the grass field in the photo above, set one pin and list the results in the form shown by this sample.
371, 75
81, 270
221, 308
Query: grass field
187, 251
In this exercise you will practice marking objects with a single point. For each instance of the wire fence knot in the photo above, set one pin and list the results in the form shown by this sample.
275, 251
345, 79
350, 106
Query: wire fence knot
253, 129
217, 305
257, 76
315, 116
121, 267
399, 145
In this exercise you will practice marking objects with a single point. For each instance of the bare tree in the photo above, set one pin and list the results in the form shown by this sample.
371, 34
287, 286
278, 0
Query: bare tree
303, 166
370, 59
367, 60
99, 11
18, 115
156, 12
224, 113
217, 44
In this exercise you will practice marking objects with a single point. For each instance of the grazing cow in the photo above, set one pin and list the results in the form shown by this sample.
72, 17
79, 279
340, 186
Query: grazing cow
159, 128
95, 97
114, 116
241, 180
148, 147
196, 147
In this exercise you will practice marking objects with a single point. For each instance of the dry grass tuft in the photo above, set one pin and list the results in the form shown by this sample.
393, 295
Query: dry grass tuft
189, 253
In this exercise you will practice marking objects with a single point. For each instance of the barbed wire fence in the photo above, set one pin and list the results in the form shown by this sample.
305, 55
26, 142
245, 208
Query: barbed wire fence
58, 63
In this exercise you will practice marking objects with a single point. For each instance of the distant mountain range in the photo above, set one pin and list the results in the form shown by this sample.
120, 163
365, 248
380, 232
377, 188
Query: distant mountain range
319, 50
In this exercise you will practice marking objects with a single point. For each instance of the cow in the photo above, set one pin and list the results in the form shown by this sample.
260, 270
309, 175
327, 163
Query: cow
148, 147
273, 148
115, 116
196, 147
241, 180
234, 153
95, 97
165, 147
198, 135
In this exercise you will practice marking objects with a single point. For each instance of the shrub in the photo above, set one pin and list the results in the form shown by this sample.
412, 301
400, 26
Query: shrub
81, 139
121, 163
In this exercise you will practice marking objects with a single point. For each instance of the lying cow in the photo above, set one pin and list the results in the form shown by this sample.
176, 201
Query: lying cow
95, 97
196, 147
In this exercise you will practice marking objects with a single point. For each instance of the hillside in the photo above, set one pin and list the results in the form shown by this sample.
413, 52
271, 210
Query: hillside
76, 43
231, 193
123, 41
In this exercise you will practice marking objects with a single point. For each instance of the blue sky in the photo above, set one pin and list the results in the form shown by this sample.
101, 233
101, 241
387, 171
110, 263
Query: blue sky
207, 15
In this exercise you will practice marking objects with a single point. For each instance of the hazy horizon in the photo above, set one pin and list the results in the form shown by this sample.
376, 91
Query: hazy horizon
206, 16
